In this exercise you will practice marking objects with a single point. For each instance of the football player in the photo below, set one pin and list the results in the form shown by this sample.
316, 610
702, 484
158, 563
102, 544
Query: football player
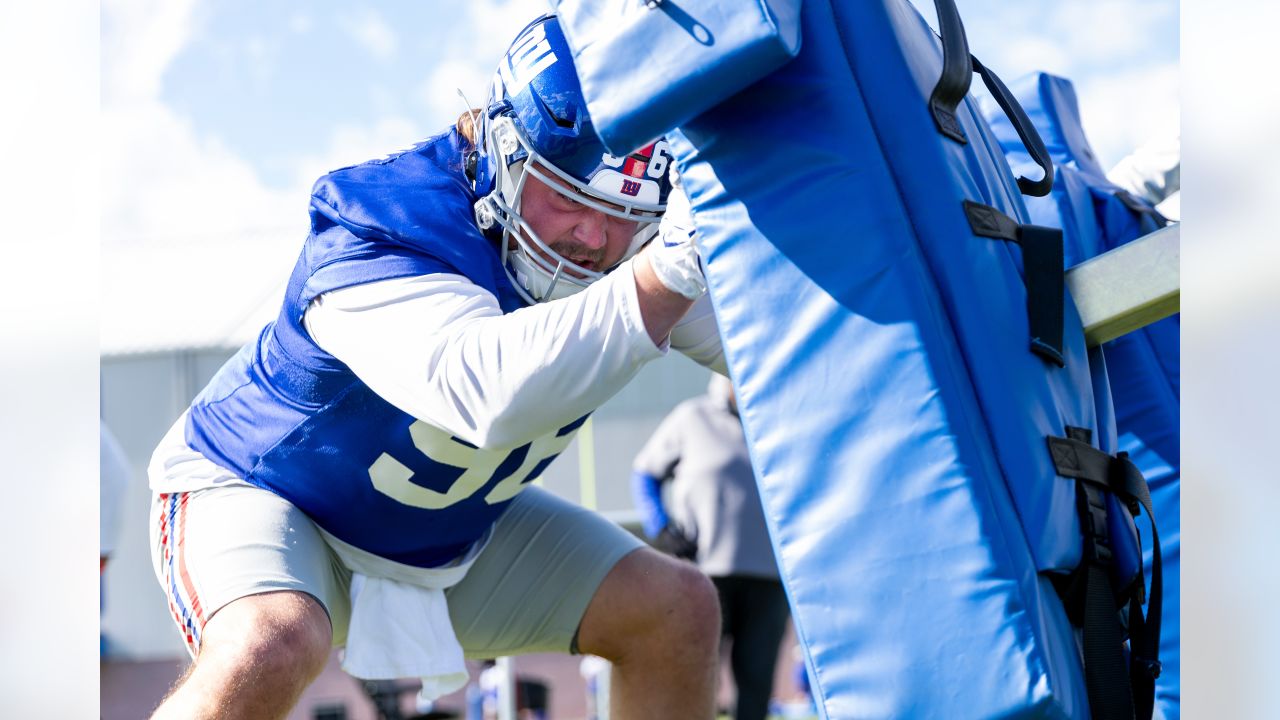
358, 475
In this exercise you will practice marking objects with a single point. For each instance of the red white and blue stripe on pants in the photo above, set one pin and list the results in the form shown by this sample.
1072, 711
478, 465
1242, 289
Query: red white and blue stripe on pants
184, 601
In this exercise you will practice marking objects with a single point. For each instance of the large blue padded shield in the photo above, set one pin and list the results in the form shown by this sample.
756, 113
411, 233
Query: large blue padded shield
902, 359
1097, 216
896, 417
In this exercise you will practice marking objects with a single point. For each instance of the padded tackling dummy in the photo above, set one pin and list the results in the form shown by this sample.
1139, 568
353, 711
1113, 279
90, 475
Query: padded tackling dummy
881, 339
1097, 216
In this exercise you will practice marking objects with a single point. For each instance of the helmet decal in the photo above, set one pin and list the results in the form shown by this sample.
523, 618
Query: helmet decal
527, 58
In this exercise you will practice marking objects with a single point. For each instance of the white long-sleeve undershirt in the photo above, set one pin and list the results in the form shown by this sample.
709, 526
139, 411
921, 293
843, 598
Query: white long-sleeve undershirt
440, 348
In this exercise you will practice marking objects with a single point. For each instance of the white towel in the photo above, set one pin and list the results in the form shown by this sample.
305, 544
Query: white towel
400, 623
399, 630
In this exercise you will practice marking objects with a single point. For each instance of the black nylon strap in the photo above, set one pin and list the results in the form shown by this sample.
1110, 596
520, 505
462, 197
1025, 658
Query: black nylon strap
1027, 132
957, 73
1145, 636
1142, 674
1042, 260
1106, 677
1097, 471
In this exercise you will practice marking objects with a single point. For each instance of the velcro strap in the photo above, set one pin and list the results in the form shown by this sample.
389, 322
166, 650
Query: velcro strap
1042, 266
1042, 269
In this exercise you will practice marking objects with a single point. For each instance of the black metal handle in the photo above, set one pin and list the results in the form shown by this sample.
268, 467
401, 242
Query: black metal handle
1026, 131
957, 73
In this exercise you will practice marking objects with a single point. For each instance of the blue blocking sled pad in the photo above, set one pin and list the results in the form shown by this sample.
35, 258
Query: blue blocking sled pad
914, 382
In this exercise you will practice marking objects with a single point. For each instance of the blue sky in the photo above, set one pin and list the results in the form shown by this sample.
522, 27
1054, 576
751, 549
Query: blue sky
244, 103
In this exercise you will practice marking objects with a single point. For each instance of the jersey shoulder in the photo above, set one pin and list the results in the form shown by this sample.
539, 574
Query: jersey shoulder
417, 197
404, 214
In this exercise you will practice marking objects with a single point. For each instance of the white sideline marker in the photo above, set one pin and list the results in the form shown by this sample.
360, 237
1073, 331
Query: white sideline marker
1129, 287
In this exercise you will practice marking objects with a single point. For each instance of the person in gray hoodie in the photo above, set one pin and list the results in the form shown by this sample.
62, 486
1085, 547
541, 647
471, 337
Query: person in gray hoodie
712, 516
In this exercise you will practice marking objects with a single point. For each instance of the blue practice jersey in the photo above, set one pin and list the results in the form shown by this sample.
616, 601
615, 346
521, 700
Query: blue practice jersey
289, 417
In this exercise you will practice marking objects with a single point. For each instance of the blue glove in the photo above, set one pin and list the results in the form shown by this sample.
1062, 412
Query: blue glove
646, 491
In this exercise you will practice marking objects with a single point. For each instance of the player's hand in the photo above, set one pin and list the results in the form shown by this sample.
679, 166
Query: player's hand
673, 254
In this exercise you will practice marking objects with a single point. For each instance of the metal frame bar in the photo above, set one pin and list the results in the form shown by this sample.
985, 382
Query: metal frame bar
1129, 287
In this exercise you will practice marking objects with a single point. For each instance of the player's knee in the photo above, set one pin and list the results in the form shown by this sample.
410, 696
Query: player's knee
300, 648
691, 613
653, 609
286, 638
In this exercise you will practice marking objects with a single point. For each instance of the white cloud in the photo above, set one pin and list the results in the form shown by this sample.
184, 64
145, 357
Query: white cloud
373, 33
1026, 53
480, 33
264, 60
440, 89
160, 178
351, 144
182, 217
1124, 109
140, 39
193, 241
1111, 30
300, 23
496, 23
